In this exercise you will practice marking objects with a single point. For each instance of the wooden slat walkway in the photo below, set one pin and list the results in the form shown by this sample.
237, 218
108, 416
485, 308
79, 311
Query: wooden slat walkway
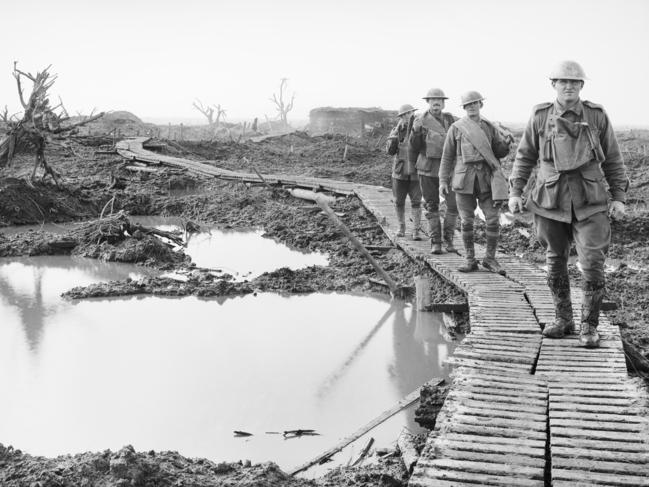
492, 430
515, 395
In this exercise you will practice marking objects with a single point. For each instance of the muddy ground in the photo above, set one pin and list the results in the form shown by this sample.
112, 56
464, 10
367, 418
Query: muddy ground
97, 183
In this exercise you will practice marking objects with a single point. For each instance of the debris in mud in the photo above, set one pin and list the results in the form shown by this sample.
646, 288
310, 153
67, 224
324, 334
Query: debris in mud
430, 403
127, 467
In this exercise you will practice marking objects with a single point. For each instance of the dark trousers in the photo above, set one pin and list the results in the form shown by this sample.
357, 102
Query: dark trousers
592, 237
430, 191
406, 187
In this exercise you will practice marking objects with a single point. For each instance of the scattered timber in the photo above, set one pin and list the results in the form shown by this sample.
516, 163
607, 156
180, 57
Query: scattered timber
407, 449
364, 453
399, 292
305, 194
402, 404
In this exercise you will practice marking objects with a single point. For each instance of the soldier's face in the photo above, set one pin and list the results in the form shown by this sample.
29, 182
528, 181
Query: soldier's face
473, 108
567, 89
436, 105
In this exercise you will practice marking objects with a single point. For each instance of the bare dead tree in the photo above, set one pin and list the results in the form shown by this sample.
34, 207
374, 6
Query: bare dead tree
210, 111
40, 124
283, 107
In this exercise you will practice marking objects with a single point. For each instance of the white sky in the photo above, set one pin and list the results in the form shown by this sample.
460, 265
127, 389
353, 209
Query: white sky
154, 58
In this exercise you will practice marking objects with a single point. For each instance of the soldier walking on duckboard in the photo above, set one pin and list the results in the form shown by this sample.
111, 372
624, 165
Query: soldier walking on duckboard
471, 151
578, 155
427, 142
404, 175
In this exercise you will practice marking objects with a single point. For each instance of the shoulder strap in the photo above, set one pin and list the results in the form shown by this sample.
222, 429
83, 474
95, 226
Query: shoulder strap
478, 139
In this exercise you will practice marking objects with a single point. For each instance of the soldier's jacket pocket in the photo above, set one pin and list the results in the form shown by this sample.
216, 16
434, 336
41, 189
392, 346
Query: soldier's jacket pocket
546, 192
459, 177
424, 164
595, 191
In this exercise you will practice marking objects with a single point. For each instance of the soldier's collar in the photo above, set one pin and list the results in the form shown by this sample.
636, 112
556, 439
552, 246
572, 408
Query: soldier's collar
560, 111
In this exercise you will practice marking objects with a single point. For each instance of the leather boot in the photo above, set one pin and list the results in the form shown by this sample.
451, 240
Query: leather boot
563, 323
593, 294
401, 217
435, 227
449, 232
416, 218
469, 251
489, 262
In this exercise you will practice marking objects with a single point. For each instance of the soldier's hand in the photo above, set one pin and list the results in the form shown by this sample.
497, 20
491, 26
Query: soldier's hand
616, 210
416, 125
515, 204
443, 189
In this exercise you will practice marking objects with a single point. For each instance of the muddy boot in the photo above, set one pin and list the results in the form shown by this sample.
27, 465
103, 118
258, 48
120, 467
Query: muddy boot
416, 218
435, 227
590, 306
449, 232
563, 323
489, 262
469, 251
401, 217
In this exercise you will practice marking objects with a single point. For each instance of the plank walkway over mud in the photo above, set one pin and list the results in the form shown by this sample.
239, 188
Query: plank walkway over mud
522, 409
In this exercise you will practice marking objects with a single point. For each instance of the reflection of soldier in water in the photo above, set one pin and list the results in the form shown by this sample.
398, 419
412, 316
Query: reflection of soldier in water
417, 344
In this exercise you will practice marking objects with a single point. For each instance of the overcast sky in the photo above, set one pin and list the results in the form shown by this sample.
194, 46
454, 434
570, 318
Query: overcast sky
154, 58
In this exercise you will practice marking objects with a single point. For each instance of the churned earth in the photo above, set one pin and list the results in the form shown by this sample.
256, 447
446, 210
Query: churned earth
99, 184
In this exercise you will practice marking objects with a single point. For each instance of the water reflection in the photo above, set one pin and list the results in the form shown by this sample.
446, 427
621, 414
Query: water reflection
31, 287
183, 374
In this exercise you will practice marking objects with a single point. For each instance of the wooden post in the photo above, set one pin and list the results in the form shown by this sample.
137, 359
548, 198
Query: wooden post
422, 289
182, 127
346, 147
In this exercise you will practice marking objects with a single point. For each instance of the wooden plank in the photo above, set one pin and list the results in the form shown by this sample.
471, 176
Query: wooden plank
574, 399
502, 459
479, 446
494, 397
594, 478
606, 455
403, 403
492, 431
483, 467
598, 425
597, 444
467, 401
601, 466
497, 413
466, 419
574, 433
621, 418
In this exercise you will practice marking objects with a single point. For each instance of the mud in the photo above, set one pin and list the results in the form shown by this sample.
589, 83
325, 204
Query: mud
101, 182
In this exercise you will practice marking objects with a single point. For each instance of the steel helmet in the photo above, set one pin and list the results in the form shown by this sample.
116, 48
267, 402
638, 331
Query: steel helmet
403, 109
470, 97
568, 70
435, 93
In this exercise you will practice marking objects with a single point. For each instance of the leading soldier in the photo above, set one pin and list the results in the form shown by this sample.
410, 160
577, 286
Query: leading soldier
578, 155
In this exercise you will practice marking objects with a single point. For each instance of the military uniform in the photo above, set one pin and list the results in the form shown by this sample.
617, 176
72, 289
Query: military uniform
470, 177
427, 143
404, 176
580, 168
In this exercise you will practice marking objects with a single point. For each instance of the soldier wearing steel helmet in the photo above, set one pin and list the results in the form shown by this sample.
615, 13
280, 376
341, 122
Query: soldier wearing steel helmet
426, 142
472, 150
404, 175
578, 157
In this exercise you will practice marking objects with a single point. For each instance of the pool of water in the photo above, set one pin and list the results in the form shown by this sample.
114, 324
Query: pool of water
183, 374
244, 254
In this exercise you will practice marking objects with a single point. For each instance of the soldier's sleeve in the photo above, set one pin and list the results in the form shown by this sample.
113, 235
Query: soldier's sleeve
613, 165
392, 145
527, 155
448, 156
415, 141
